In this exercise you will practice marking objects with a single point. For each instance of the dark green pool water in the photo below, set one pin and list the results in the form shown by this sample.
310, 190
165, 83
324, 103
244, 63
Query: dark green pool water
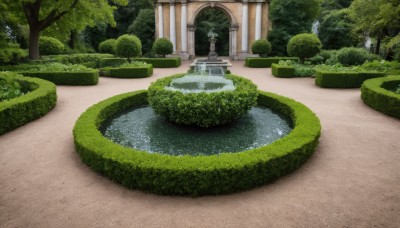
141, 129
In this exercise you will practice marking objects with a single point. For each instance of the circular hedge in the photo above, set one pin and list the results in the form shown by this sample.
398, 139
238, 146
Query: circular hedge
128, 46
50, 46
377, 93
18, 111
195, 175
202, 109
108, 46
304, 46
261, 47
163, 47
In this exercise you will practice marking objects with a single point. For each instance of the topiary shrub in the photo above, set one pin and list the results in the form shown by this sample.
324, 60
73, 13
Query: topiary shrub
108, 46
280, 71
50, 46
163, 47
128, 46
352, 56
261, 47
202, 109
304, 46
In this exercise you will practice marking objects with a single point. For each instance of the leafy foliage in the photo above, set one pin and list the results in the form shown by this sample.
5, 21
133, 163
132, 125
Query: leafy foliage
50, 46
144, 28
128, 46
163, 46
261, 47
108, 46
304, 46
354, 56
12, 54
9, 87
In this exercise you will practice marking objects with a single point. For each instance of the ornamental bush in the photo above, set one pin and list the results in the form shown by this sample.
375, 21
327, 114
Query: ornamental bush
261, 47
354, 56
128, 46
108, 46
50, 46
163, 47
304, 46
202, 109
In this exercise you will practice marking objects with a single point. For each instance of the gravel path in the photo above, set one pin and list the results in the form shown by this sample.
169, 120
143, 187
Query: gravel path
353, 179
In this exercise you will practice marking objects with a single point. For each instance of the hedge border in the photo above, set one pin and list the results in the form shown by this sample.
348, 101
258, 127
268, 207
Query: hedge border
327, 79
375, 93
161, 62
257, 62
67, 78
195, 175
282, 71
21, 110
129, 72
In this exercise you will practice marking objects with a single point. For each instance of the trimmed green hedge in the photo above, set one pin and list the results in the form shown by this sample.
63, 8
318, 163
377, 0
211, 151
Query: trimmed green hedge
18, 111
67, 78
161, 62
282, 71
112, 62
376, 93
326, 79
265, 62
89, 60
202, 109
129, 72
195, 175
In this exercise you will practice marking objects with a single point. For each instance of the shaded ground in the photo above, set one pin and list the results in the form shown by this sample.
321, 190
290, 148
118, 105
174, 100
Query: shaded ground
353, 179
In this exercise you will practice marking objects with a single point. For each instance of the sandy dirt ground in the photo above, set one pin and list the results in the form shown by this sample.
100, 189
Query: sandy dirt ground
352, 180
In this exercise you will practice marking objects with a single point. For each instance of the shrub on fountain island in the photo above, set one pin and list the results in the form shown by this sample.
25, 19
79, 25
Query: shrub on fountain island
205, 109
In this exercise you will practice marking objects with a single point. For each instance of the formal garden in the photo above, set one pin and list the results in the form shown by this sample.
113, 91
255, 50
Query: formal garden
107, 119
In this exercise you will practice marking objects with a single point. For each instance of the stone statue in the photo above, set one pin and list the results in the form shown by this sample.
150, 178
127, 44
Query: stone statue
212, 38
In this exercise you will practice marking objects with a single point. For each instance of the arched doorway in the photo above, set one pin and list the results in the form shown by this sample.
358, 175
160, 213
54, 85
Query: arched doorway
207, 19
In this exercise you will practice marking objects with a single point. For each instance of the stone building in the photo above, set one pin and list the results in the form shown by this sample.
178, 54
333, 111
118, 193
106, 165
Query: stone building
175, 20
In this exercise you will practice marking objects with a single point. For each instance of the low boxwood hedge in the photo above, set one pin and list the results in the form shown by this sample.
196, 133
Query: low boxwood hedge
112, 62
161, 62
282, 71
376, 93
267, 62
203, 109
129, 72
327, 79
18, 111
195, 175
67, 78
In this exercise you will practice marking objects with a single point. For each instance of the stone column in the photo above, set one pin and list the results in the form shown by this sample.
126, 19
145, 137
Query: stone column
160, 21
184, 25
192, 30
172, 29
245, 27
258, 20
233, 41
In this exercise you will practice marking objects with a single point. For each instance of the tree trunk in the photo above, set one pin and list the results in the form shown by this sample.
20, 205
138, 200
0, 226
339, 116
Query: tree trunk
378, 44
72, 39
34, 35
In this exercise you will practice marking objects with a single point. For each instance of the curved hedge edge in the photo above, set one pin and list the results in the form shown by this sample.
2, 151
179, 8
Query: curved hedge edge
67, 78
282, 71
195, 175
326, 79
375, 93
21, 110
129, 72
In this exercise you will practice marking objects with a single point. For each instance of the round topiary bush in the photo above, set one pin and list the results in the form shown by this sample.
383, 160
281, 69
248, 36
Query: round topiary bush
128, 46
261, 47
108, 46
50, 46
352, 56
304, 46
163, 47
204, 109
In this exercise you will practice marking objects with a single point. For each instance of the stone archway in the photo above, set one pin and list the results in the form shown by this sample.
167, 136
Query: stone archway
232, 28
175, 21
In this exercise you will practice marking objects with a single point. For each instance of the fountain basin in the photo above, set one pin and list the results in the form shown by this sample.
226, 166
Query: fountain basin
195, 175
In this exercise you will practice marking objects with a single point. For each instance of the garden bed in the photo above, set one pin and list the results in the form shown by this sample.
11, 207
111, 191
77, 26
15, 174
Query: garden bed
134, 70
327, 79
161, 62
267, 62
282, 71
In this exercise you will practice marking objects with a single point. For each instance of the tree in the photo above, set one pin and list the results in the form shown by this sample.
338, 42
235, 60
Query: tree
163, 47
304, 46
290, 17
128, 46
261, 47
378, 19
336, 30
144, 28
62, 15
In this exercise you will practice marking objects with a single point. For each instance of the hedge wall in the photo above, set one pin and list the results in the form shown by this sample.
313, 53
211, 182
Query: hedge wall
282, 71
129, 72
376, 93
161, 62
195, 175
21, 110
67, 78
266, 62
344, 79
